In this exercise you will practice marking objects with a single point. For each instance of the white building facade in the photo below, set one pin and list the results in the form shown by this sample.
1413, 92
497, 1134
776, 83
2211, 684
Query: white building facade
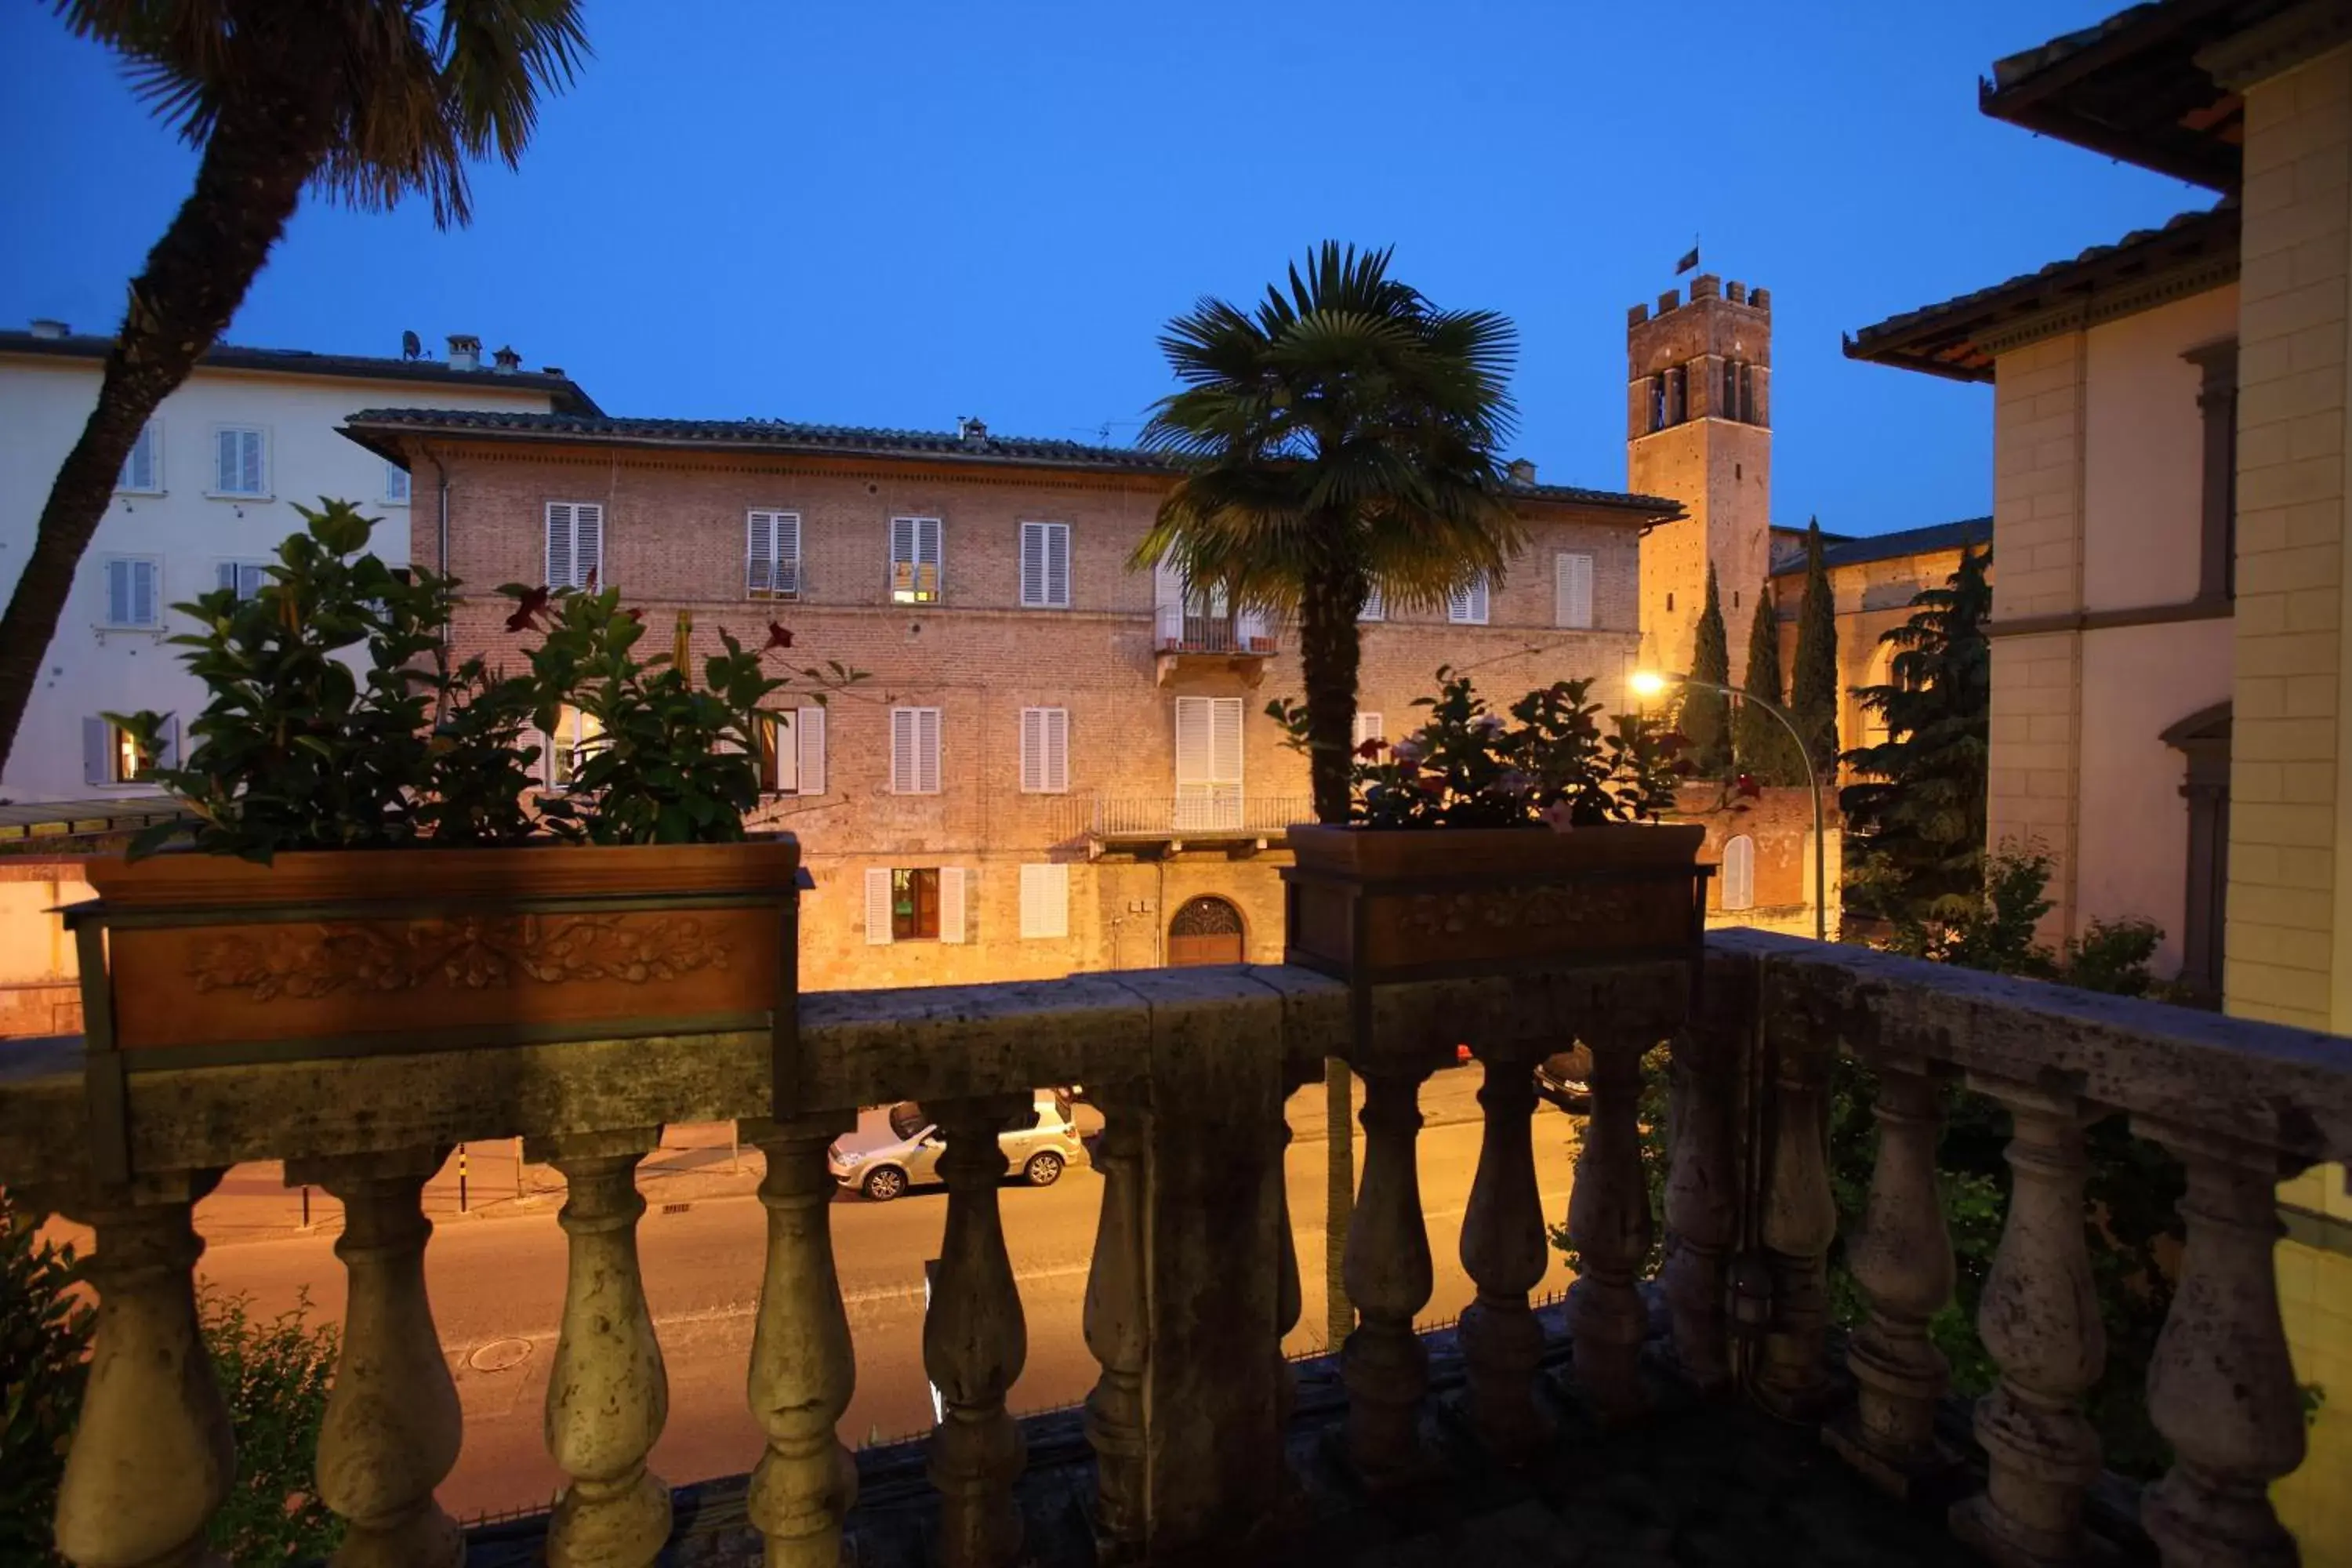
203, 502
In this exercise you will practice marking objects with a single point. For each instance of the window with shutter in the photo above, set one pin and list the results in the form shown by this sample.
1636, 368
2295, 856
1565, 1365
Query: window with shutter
1045, 566
1208, 762
914, 560
1468, 606
575, 544
772, 563
952, 902
240, 461
1044, 751
243, 578
569, 749
110, 755
808, 730
914, 750
1376, 607
1740, 873
1367, 727
1572, 589
395, 485
134, 591
878, 906
142, 471
1044, 902
780, 753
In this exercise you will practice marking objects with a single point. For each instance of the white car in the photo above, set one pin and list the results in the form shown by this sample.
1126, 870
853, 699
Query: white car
891, 1149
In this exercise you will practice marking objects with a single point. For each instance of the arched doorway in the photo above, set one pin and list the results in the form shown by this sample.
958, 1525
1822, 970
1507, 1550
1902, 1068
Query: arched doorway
1205, 931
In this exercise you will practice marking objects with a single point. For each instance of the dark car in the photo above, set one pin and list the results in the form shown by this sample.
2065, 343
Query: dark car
1564, 1079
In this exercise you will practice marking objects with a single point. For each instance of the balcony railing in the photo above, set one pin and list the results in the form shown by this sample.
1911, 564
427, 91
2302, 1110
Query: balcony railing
1213, 814
1193, 1280
1184, 630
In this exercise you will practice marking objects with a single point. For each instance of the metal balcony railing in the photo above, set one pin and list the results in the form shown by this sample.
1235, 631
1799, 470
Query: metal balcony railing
1199, 816
1187, 629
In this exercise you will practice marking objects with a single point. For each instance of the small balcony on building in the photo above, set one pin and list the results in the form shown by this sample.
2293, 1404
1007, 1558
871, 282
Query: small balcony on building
1212, 817
1705, 1400
1197, 637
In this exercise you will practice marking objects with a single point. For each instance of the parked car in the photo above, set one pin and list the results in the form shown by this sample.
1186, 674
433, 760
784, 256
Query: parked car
1564, 1079
892, 1148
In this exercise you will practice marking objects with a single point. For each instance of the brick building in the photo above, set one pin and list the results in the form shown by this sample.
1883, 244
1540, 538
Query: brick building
1060, 764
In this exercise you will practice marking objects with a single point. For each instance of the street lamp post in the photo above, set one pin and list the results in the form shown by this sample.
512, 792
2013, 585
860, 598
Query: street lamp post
1647, 684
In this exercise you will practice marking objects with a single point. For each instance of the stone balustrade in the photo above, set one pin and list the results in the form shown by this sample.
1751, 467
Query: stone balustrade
1194, 1278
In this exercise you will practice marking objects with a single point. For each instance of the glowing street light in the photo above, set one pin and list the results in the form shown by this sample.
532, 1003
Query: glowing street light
1649, 683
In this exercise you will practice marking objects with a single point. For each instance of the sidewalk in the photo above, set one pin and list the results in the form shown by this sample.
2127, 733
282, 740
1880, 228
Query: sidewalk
695, 1162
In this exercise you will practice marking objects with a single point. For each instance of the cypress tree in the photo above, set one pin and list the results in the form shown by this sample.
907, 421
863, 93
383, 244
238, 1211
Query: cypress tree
1707, 714
1813, 683
1766, 754
1915, 816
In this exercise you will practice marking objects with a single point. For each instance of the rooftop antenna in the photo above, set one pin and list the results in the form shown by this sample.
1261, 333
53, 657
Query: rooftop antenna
411, 346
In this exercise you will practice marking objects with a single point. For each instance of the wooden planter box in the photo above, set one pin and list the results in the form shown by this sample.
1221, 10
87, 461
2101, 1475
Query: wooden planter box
1372, 905
195, 961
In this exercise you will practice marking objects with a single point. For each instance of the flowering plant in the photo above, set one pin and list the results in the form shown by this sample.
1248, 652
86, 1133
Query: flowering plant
1544, 761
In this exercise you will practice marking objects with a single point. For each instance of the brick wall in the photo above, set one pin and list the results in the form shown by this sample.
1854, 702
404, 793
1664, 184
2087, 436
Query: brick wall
674, 536
2288, 931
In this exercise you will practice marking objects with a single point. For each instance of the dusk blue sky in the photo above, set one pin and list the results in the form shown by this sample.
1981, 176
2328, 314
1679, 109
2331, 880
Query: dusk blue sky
894, 214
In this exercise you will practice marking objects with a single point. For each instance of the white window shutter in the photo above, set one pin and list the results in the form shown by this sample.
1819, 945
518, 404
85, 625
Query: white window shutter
1467, 605
926, 749
1033, 565
225, 461
1368, 728
1044, 901
559, 544
1167, 584
167, 743
1057, 565
1057, 750
588, 545
808, 733
758, 554
118, 593
927, 545
902, 554
1572, 589
787, 567
902, 751
1376, 607
877, 907
1225, 730
140, 471
395, 483
97, 751
952, 902
250, 462
224, 575
1192, 745
1033, 751
1740, 873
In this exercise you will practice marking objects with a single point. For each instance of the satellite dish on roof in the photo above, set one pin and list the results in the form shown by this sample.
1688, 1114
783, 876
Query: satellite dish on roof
411, 346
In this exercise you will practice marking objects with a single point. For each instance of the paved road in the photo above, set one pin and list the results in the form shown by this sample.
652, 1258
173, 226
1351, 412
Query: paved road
497, 1288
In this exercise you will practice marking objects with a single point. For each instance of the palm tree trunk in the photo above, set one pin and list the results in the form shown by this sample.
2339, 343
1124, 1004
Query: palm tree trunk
1330, 651
262, 152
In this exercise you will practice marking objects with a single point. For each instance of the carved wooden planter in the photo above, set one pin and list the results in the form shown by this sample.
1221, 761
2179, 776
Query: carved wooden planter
201, 960
1371, 905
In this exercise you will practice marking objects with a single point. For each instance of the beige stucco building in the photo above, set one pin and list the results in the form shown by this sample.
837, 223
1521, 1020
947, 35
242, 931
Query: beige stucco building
2172, 661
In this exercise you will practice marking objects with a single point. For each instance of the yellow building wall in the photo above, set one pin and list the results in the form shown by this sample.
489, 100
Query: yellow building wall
2290, 915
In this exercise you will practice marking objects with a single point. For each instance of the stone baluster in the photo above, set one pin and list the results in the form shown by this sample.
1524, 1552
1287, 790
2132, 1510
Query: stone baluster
1798, 1225
392, 1425
1608, 1221
1902, 1260
1504, 1251
607, 1394
151, 1458
974, 1343
2040, 1319
1388, 1277
1702, 1206
1117, 1318
803, 1369
1288, 1303
2221, 1388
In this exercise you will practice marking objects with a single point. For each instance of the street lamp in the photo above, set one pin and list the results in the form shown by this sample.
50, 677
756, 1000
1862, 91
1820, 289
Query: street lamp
1649, 683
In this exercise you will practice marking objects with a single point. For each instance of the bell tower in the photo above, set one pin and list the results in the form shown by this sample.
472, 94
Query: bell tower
1699, 431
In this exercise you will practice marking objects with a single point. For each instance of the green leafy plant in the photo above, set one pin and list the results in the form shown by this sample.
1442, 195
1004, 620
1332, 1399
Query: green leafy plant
336, 717
1548, 761
274, 1375
44, 1335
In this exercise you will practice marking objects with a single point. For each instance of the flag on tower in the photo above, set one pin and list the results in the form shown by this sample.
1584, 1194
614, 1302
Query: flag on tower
1689, 261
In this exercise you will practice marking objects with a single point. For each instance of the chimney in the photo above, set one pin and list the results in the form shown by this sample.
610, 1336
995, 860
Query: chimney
551, 370
1523, 473
465, 352
972, 430
506, 361
44, 327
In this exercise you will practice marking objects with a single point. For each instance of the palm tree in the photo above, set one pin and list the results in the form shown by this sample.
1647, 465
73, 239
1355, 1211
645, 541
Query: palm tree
1340, 437
366, 101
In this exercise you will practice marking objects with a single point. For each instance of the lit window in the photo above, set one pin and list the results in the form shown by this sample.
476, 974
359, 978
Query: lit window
914, 560
569, 749
914, 904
